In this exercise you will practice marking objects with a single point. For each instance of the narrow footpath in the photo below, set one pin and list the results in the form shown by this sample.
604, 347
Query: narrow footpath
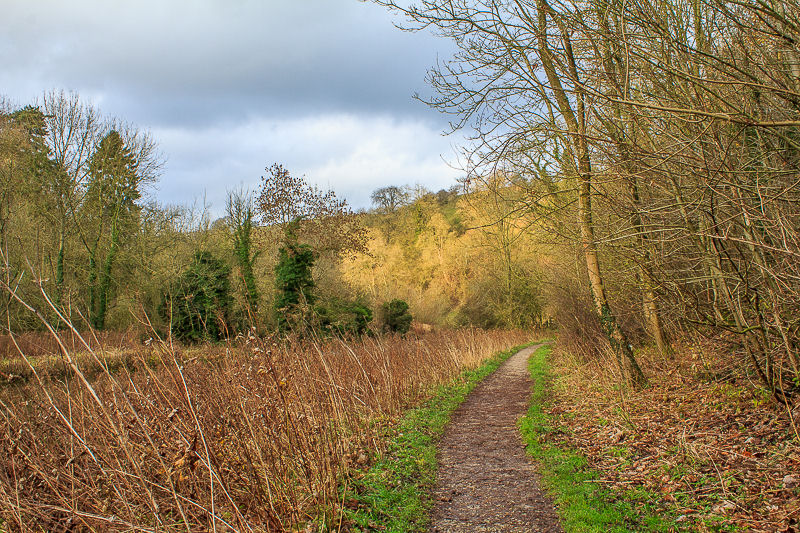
486, 482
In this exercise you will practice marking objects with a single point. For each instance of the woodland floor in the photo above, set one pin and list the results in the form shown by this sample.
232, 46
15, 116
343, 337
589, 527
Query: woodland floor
486, 482
713, 450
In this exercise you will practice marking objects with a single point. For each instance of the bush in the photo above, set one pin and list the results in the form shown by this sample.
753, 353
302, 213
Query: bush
396, 317
344, 317
198, 305
492, 305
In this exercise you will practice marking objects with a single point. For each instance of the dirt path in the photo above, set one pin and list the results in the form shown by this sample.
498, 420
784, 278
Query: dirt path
486, 482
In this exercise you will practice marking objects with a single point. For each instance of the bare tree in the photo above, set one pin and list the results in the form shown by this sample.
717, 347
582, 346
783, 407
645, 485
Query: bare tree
321, 216
514, 80
73, 130
388, 199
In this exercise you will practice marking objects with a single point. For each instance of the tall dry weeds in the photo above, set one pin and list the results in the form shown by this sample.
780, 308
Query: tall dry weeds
256, 436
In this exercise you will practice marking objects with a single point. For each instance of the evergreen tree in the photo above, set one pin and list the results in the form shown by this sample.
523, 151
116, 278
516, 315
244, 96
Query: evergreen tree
111, 204
343, 317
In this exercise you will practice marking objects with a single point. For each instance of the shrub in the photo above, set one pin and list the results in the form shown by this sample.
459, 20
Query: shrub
396, 317
344, 317
198, 305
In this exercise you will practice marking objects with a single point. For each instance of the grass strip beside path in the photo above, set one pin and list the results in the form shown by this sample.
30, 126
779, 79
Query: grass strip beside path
394, 495
583, 505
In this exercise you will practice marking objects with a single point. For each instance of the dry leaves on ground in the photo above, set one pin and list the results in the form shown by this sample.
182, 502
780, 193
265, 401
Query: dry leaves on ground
717, 452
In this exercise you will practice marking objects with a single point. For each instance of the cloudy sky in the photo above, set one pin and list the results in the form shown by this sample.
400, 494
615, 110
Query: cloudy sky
228, 87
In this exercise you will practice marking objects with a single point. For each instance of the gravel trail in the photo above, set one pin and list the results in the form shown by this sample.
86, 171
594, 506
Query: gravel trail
486, 481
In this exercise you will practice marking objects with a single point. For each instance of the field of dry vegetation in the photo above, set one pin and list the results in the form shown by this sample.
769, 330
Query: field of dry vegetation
256, 435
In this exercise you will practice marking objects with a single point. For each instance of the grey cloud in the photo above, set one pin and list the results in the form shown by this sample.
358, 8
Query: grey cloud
351, 154
164, 60
228, 87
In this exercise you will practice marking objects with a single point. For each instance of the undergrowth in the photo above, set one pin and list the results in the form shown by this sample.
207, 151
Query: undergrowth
583, 504
249, 437
394, 494
703, 443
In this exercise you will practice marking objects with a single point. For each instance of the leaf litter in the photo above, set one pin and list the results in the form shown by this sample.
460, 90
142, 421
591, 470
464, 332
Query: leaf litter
717, 454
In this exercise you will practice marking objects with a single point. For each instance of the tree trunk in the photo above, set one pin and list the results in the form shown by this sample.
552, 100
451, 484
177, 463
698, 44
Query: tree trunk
104, 287
60, 267
92, 282
245, 259
649, 303
621, 128
653, 318
631, 372
576, 127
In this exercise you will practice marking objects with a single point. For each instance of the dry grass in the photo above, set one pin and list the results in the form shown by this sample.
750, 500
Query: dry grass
702, 441
42, 344
253, 437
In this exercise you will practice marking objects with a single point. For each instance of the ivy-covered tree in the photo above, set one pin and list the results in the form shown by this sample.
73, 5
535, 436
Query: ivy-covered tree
294, 281
198, 305
240, 225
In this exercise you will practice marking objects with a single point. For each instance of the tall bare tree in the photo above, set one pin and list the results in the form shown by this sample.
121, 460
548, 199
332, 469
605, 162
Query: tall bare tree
515, 80
73, 130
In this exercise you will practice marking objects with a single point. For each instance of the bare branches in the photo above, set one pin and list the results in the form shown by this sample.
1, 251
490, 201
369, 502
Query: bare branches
680, 123
321, 217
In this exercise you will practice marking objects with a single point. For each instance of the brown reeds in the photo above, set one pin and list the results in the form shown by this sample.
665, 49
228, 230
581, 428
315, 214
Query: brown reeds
254, 436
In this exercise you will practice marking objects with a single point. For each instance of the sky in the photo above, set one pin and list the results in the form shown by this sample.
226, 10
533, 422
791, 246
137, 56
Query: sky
229, 87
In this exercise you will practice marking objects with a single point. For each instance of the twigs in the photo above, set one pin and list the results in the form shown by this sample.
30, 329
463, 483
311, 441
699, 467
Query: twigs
248, 437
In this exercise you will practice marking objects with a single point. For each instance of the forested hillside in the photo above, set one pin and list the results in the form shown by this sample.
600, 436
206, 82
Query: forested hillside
669, 130
80, 231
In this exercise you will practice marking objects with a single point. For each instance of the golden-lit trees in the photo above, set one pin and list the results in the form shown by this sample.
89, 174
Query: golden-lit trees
512, 290
443, 254
672, 130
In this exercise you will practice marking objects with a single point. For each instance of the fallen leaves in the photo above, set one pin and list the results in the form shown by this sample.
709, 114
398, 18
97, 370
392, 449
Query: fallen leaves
713, 454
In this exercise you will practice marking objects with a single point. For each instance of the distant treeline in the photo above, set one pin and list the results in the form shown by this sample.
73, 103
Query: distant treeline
82, 243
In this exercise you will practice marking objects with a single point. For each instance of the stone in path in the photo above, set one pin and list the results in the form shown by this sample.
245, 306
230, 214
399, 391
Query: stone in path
486, 481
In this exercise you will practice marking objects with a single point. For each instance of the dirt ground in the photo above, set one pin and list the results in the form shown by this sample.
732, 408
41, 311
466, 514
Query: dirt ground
486, 481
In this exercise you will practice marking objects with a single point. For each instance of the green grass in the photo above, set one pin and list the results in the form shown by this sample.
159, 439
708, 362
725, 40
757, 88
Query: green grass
583, 504
395, 493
